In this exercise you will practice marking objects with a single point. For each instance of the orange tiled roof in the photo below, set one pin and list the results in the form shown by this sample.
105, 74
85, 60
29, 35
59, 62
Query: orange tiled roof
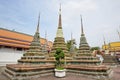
17, 39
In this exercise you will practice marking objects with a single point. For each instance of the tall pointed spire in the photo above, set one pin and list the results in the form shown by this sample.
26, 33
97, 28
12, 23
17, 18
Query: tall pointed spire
35, 45
82, 32
118, 34
59, 41
38, 24
72, 45
104, 42
83, 47
71, 36
109, 45
60, 20
36, 37
46, 43
71, 40
46, 35
59, 30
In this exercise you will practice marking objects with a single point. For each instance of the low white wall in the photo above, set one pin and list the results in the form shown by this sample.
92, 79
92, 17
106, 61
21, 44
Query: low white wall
9, 56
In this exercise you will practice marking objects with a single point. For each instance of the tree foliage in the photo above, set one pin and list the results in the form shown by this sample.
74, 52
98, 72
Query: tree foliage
59, 55
69, 45
94, 48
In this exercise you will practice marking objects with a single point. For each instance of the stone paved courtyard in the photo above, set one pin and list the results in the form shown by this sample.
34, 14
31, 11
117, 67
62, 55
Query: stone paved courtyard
116, 76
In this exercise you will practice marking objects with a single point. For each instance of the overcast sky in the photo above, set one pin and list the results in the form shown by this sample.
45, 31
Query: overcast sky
100, 18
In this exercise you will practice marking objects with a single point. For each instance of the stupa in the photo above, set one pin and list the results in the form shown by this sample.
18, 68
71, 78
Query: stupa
59, 41
32, 64
83, 47
35, 51
84, 62
84, 54
45, 46
72, 47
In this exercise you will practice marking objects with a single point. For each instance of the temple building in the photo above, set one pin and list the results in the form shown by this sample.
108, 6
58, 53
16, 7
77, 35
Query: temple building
112, 46
13, 44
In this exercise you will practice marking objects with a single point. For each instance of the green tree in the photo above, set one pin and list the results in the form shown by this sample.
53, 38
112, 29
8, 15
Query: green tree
59, 55
69, 44
94, 48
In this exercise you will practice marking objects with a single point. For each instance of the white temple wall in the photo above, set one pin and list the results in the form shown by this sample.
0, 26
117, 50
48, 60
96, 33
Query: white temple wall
9, 55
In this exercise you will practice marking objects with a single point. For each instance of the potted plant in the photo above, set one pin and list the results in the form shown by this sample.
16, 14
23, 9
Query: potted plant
59, 70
